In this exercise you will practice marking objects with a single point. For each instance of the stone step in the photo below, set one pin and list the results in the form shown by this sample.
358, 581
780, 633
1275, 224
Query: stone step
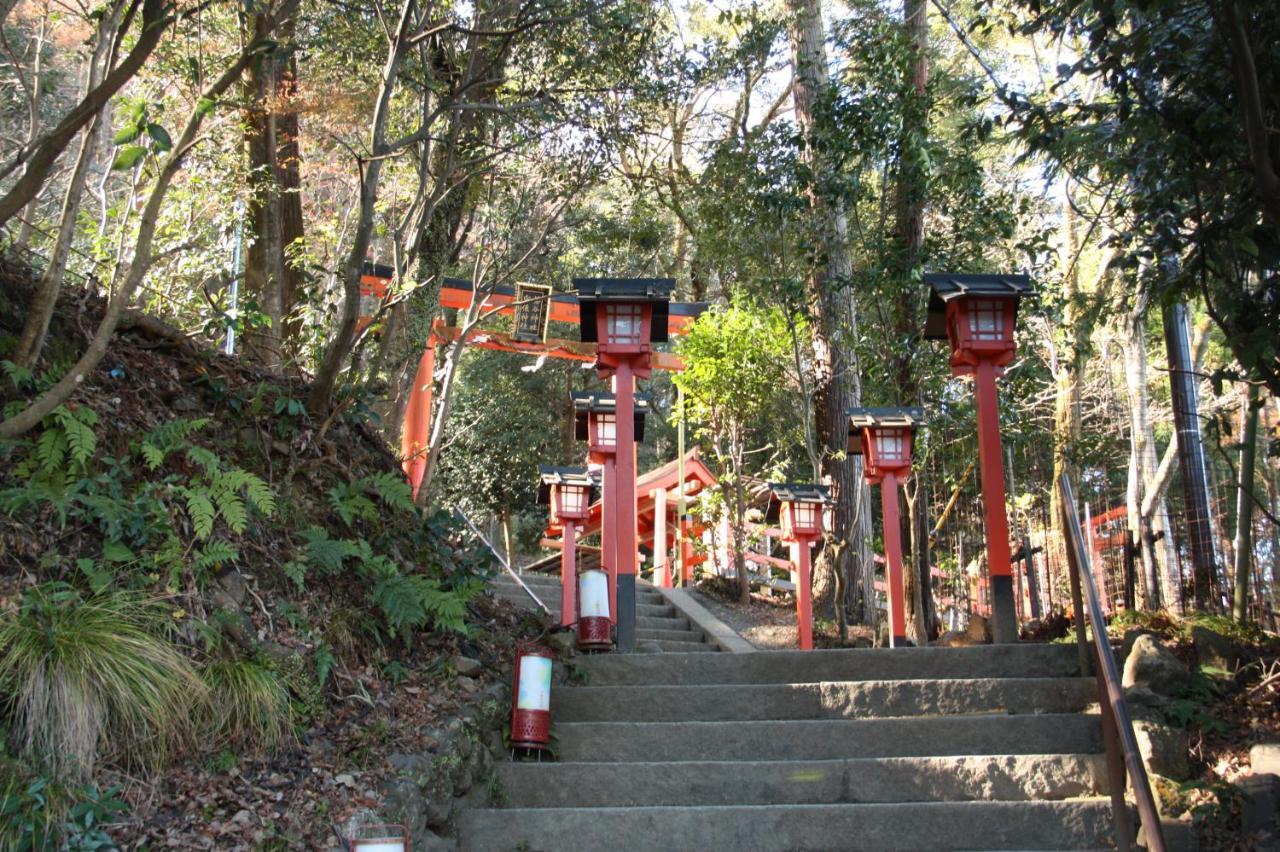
1071, 824
1007, 777
674, 622
549, 593
669, 635
603, 742
988, 661
664, 610
669, 647
844, 700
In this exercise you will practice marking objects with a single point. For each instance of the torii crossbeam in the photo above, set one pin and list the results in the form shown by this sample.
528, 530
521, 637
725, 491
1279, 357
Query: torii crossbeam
415, 437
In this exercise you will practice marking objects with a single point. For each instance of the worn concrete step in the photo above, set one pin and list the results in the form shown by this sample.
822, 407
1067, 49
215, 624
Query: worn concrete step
675, 622
669, 647
664, 610
843, 700
1071, 824
995, 661
669, 635
544, 588
829, 739
1009, 777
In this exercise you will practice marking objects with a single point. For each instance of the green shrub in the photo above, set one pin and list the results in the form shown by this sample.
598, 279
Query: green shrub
87, 675
249, 704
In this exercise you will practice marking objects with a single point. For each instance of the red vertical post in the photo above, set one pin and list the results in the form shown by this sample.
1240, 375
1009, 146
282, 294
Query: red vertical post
1004, 626
804, 605
608, 555
568, 576
624, 394
893, 560
415, 433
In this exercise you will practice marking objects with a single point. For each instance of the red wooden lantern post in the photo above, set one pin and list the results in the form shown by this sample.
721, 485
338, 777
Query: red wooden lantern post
595, 415
884, 437
624, 317
799, 508
977, 314
531, 699
568, 491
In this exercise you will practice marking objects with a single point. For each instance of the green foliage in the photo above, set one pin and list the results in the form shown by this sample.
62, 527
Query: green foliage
249, 704
1191, 707
38, 813
87, 674
167, 438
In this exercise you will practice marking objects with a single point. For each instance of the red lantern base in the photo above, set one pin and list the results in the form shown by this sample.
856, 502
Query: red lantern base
530, 728
594, 633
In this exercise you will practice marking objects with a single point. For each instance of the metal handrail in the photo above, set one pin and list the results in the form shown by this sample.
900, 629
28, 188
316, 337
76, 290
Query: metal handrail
502, 560
1117, 726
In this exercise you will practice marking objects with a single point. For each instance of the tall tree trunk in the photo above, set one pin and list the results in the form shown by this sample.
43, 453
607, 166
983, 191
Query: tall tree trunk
40, 312
34, 94
39, 408
1135, 364
275, 209
910, 195
837, 385
39, 159
1195, 475
339, 347
1244, 504
1067, 363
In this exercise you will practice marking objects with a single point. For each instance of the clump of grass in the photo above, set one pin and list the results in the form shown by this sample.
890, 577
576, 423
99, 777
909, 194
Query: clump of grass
249, 704
88, 676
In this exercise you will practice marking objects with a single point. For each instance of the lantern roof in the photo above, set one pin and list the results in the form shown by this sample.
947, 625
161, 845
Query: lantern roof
653, 291
945, 286
864, 418
551, 475
800, 492
377, 270
603, 402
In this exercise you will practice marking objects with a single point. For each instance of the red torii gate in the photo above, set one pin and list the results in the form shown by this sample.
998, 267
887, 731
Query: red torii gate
457, 293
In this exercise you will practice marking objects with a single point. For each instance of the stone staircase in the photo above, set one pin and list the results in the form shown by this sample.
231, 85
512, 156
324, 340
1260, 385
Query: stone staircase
659, 625
921, 748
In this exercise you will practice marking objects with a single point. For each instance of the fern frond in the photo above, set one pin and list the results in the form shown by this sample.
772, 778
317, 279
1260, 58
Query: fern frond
392, 489
201, 510
206, 459
78, 427
214, 555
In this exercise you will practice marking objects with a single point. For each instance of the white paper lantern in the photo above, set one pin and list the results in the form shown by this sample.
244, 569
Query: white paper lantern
535, 683
593, 600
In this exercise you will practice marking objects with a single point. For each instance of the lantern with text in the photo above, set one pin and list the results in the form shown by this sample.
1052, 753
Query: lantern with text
624, 317
799, 508
884, 437
568, 491
977, 315
531, 701
594, 623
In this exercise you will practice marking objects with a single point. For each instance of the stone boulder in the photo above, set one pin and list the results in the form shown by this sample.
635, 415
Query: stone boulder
952, 639
1215, 650
1164, 749
1153, 666
1265, 759
1126, 644
979, 630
